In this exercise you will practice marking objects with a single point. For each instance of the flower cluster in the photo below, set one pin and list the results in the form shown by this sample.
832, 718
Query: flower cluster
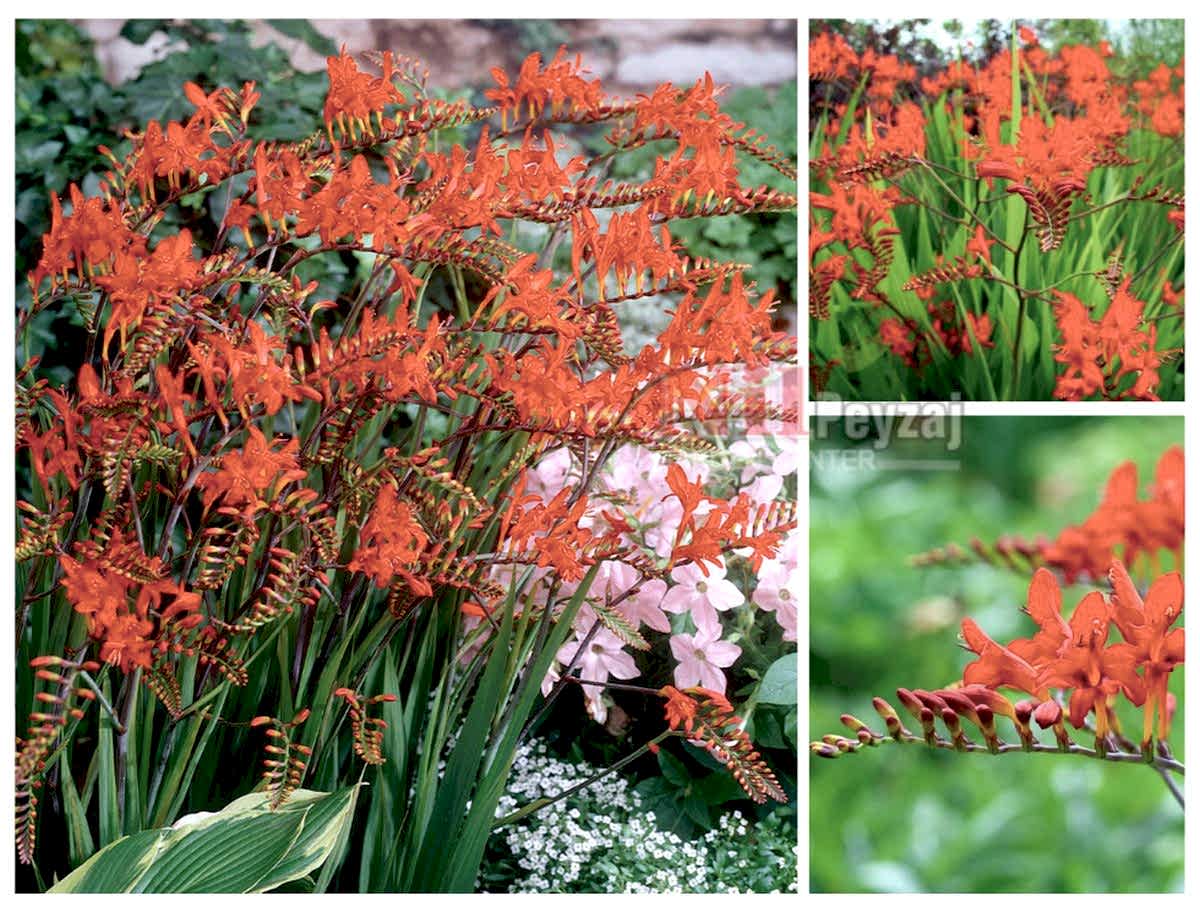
1071, 657
1124, 641
928, 176
1075, 655
1124, 524
1138, 528
604, 838
646, 507
1099, 356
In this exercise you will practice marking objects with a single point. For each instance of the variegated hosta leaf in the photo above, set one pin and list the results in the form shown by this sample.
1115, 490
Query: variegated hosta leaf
244, 848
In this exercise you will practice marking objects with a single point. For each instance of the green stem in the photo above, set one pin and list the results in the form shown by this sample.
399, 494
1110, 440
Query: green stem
1022, 306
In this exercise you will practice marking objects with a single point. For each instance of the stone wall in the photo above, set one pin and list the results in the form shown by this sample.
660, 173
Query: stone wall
628, 55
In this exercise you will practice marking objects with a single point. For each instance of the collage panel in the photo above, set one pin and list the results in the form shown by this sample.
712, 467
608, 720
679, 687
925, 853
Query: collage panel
406, 493
996, 648
996, 209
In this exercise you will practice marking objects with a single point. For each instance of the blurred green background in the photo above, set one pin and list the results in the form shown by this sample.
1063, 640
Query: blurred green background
910, 819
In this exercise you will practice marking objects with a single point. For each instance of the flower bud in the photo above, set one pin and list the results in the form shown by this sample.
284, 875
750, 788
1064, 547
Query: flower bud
885, 710
952, 721
914, 705
987, 723
867, 738
854, 723
1047, 714
928, 725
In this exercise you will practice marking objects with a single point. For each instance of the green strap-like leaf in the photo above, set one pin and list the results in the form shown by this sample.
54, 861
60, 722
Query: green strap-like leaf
246, 847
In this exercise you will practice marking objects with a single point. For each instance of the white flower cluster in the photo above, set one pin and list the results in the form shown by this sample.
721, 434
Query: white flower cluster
602, 840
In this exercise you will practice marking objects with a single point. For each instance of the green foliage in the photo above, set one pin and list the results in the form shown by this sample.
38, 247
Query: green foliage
913, 819
65, 110
526, 36
684, 802
246, 847
778, 685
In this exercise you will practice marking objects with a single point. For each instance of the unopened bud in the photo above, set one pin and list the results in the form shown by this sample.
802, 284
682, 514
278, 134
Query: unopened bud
911, 702
1047, 714
987, 723
952, 721
927, 724
854, 723
885, 710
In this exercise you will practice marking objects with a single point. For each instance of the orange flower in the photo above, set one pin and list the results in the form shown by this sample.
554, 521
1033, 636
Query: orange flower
1103, 356
91, 236
355, 95
559, 83
391, 542
830, 57
1084, 665
244, 476
101, 586
1152, 644
1139, 527
980, 245
681, 710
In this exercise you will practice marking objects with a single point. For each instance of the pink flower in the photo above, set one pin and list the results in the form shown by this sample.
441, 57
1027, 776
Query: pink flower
702, 595
750, 452
786, 462
642, 608
550, 475
631, 469
603, 656
764, 488
778, 591
701, 657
